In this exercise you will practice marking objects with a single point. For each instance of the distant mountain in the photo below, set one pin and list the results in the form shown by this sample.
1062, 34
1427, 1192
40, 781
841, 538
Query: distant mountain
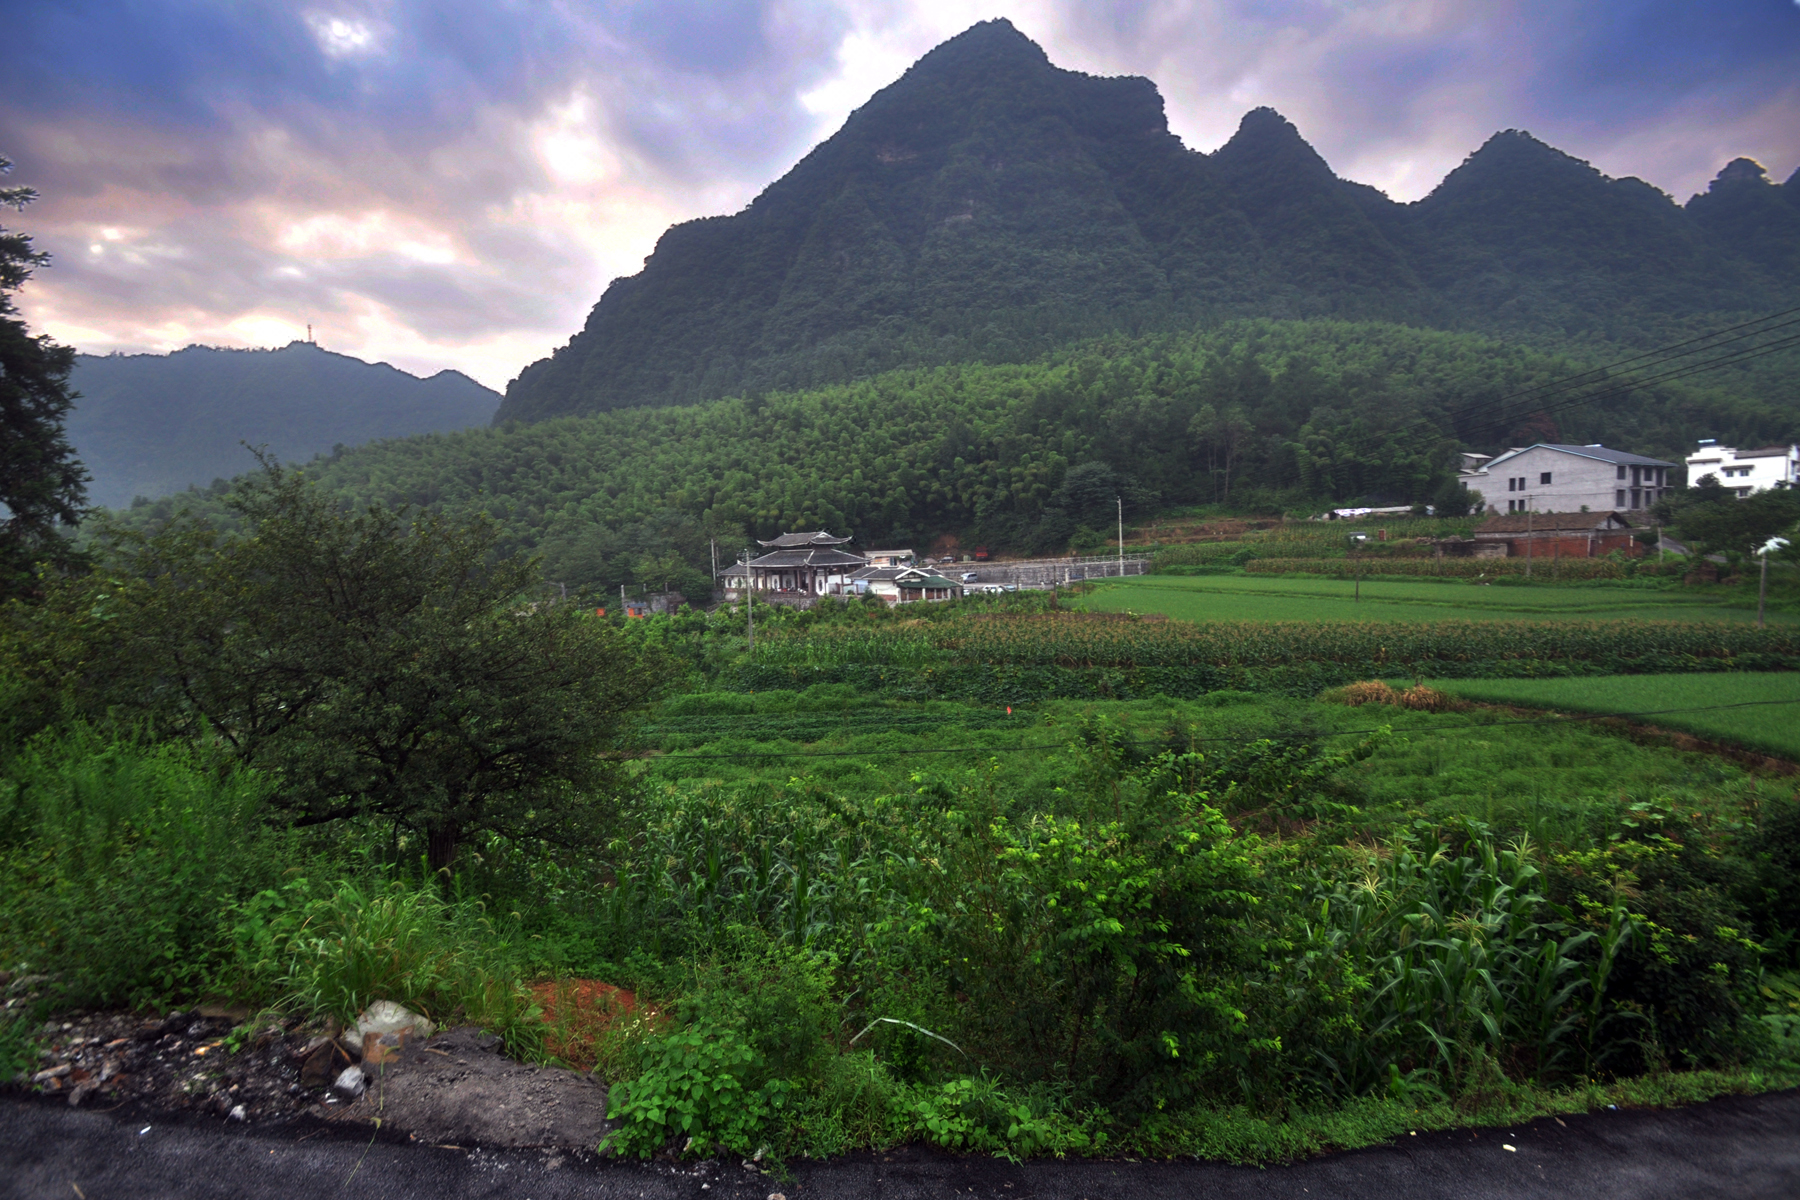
990, 206
150, 424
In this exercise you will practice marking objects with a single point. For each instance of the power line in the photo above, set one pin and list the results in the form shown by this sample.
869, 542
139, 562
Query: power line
1499, 424
1575, 380
1165, 741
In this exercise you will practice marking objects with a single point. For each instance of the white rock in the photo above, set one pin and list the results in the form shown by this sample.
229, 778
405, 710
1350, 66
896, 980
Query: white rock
238, 1113
349, 1081
384, 1016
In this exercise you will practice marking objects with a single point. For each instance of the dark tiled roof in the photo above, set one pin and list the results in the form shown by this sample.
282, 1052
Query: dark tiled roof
821, 557
793, 541
1597, 452
1580, 522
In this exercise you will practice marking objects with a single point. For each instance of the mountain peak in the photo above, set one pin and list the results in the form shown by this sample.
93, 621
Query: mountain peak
986, 42
1737, 172
1263, 137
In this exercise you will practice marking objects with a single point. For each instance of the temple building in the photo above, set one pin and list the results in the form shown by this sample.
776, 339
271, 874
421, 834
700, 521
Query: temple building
797, 564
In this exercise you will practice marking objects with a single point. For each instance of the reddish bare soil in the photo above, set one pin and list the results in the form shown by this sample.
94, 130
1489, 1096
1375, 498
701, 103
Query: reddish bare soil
579, 1011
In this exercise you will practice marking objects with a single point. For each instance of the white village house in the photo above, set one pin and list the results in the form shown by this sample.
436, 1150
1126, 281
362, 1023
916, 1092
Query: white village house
1745, 472
903, 585
1556, 478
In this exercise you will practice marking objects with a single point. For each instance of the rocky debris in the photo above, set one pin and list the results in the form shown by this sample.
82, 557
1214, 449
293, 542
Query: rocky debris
453, 1088
458, 1089
205, 1060
383, 1028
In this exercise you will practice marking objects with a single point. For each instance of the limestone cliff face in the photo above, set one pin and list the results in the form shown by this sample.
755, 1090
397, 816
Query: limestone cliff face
989, 205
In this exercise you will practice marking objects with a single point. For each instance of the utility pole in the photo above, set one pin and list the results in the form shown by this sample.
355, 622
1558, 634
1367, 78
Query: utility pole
749, 602
714, 543
1762, 591
1121, 503
1528, 537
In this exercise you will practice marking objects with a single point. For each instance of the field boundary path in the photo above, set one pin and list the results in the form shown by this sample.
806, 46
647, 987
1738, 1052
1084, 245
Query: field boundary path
1746, 1147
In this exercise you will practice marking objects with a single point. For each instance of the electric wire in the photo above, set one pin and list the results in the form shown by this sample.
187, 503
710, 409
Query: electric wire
1577, 380
1499, 424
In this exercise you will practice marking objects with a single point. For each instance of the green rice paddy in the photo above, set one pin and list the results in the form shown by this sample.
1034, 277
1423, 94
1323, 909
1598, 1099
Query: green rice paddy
1759, 710
1263, 598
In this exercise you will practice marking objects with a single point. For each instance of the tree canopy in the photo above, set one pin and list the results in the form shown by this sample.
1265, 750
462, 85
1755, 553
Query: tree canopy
1020, 457
379, 662
42, 484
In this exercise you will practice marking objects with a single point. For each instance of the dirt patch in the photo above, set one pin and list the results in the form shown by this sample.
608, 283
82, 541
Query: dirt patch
218, 1064
577, 1012
458, 1089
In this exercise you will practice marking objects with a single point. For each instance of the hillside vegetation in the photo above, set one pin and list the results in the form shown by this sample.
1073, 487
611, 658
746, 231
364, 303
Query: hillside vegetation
989, 206
150, 424
1024, 457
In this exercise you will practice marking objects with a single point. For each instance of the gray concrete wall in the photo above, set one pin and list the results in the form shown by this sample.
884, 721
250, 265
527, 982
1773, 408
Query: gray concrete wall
1575, 482
1042, 574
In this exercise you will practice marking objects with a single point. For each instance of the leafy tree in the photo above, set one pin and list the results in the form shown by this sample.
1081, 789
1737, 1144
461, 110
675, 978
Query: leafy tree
1452, 499
42, 485
380, 665
1717, 522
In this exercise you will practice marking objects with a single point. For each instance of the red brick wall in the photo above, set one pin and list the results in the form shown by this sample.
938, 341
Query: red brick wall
1577, 547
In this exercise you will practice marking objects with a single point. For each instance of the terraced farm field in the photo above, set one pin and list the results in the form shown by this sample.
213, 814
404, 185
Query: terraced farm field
1251, 598
1759, 710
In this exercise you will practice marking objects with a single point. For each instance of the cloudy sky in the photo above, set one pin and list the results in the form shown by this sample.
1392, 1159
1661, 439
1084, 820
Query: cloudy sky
452, 184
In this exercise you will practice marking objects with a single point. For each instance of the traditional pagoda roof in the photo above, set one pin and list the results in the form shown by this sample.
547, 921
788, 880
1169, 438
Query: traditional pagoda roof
820, 557
793, 541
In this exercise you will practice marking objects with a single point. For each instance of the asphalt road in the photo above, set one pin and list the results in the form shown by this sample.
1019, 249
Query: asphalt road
1740, 1147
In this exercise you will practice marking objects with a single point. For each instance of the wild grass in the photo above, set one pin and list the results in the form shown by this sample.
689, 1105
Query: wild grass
119, 859
334, 950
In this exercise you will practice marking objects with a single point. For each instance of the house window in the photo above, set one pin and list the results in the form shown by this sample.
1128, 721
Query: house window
1512, 485
1619, 496
1621, 471
1543, 479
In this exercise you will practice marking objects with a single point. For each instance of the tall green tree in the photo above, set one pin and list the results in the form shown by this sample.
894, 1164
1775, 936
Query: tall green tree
379, 663
1718, 522
42, 484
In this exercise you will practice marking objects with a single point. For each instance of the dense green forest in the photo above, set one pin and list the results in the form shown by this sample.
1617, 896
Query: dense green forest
989, 206
1020, 456
150, 424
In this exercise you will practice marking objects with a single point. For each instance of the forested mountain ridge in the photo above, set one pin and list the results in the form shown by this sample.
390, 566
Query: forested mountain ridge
989, 206
1020, 456
149, 424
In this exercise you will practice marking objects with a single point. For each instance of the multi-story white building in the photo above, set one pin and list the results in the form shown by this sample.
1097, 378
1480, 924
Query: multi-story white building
1745, 472
1552, 478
